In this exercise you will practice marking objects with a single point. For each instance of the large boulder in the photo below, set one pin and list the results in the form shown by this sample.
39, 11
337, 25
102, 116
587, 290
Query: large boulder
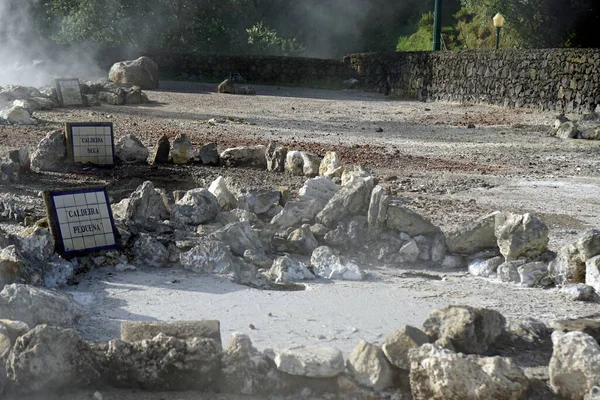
36, 306
402, 219
575, 364
474, 237
142, 72
17, 116
397, 344
350, 200
570, 263
210, 256
130, 150
144, 203
165, 363
521, 236
51, 153
197, 206
368, 365
245, 156
311, 362
470, 330
239, 236
438, 373
329, 266
50, 358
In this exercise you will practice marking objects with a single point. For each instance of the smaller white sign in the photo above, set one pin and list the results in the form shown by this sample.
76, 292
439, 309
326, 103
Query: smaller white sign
83, 220
91, 143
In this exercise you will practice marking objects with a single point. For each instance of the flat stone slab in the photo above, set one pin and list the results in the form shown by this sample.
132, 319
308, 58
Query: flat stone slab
312, 361
134, 331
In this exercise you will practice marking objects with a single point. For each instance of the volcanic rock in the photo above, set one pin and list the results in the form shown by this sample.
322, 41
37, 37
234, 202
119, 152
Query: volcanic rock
227, 200
148, 251
240, 237
471, 330
164, 363
474, 237
437, 373
130, 150
209, 256
245, 156
50, 358
329, 266
287, 269
142, 72
276, 155
182, 151
575, 364
144, 203
368, 365
570, 263
161, 150
51, 153
197, 206
245, 370
396, 345
350, 200
331, 165
521, 236
208, 154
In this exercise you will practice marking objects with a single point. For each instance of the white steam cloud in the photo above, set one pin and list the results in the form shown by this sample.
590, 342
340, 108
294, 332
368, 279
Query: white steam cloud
25, 59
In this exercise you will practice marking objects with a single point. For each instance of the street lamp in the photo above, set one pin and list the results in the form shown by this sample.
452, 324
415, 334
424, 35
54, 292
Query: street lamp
437, 25
498, 23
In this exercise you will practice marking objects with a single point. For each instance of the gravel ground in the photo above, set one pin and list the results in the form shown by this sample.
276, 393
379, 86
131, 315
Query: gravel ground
451, 162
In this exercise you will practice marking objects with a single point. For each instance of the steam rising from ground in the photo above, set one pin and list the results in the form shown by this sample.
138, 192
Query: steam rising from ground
26, 60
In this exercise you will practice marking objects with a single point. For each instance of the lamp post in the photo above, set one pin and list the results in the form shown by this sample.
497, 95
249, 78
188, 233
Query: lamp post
498, 23
437, 25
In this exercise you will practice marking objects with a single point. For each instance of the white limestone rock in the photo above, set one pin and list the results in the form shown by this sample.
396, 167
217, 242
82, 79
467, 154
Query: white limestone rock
438, 373
311, 362
575, 364
329, 266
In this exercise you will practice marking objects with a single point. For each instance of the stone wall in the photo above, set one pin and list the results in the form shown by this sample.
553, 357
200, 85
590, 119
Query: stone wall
555, 79
255, 69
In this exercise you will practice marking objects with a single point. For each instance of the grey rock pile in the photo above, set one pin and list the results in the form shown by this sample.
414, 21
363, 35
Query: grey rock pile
587, 127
